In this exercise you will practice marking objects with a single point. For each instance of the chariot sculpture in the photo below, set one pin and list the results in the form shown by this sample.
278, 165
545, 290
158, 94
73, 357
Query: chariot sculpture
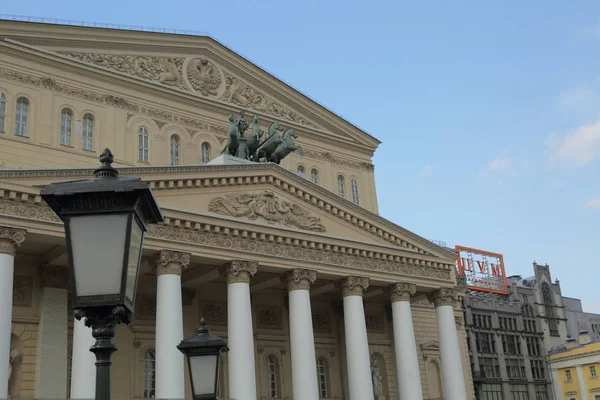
256, 147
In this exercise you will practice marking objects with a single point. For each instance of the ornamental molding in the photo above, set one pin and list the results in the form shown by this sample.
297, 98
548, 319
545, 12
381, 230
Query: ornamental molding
170, 262
214, 312
300, 279
267, 206
10, 239
269, 317
321, 321
145, 306
242, 240
354, 286
54, 276
446, 297
239, 271
375, 321
402, 291
278, 178
22, 291
161, 117
195, 74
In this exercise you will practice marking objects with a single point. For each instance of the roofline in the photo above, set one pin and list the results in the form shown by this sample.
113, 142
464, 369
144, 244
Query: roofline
167, 32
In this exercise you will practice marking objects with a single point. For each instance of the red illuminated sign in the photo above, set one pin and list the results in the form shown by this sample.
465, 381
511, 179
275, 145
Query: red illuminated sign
483, 270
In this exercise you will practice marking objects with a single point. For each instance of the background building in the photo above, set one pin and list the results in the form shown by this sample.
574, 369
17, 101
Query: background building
575, 367
580, 321
237, 238
510, 326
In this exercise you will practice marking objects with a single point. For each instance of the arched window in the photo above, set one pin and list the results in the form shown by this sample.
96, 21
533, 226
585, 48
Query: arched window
149, 367
341, 186
322, 378
143, 144
21, 116
66, 126
354, 191
87, 133
205, 156
273, 377
174, 150
301, 171
549, 308
314, 176
2, 111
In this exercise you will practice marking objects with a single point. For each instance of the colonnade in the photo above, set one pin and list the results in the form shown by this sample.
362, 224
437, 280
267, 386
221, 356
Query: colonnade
170, 381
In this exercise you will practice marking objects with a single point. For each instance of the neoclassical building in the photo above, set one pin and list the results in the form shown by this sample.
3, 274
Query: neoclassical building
317, 295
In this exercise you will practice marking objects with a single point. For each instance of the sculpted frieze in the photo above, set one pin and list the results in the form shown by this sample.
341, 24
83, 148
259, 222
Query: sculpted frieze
268, 206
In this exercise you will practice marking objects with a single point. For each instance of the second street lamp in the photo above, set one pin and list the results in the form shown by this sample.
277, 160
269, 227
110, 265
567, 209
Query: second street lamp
105, 219
203, 353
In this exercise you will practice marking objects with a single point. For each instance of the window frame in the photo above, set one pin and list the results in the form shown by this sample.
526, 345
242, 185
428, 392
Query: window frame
323, 378
148, 392
143, 144
175, 144
205, 153
273, 377
354, 191
314, 176
3, 114
301, 171
341, 186
64, 132
22, 117
87, 131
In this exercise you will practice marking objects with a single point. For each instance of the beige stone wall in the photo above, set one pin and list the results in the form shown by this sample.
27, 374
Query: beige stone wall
116, 126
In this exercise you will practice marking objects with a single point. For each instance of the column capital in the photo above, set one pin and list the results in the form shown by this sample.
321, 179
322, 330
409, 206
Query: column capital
300, 279
239, 271
445, 297
354, 286
170, 262
402, 291
10, 239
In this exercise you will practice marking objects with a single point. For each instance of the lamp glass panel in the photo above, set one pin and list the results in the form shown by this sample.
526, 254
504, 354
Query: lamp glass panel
204, 373
133, 262
98, 247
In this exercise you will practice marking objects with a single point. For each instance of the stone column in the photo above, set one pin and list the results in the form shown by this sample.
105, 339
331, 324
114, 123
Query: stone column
170, 378
51, 361
405, 345
242, 377
452, 366
357, 344
581, 380
302, 342
10, 239
83, 362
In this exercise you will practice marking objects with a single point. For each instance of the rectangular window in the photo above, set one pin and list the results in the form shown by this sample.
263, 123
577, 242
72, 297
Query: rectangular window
538, 370
491, 392
490, 367
2, 111
485, 343
541, 392
593, 371
511, 345
568, 375
519, 392
515, 368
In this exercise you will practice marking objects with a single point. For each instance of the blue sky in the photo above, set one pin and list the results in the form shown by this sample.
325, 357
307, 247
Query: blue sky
489, 112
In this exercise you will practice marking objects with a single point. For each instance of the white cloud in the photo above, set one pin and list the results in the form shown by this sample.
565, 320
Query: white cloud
427, 171
499, 166
593, 204
581, 146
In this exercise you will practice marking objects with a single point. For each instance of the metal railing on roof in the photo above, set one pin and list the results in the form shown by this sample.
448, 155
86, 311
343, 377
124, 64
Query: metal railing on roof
57, 21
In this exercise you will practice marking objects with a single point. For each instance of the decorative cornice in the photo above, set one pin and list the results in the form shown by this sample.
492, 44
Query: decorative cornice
28, 206
354, 286
170, 262
446, 297
402, 291
10, 239
238, 271
300, 279
293, 184
163, 116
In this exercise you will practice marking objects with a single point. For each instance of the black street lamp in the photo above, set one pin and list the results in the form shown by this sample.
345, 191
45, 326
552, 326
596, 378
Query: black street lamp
105, 220
203, 353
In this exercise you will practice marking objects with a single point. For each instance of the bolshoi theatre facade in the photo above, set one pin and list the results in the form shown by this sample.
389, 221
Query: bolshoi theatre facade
317, 296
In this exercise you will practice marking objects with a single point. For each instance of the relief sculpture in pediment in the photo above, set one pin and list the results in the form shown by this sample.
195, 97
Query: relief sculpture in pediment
166, 70
268, 206
197, 75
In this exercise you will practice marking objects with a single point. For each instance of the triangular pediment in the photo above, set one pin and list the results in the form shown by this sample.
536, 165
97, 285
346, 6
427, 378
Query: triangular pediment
263, 195
193, 65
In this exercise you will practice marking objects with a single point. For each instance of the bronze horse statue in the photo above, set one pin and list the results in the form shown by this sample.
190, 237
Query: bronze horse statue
286, 146
237, 127
269, 146
254, 139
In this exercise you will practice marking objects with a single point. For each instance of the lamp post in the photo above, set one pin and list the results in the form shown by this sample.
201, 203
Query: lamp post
105, 219
203, 353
